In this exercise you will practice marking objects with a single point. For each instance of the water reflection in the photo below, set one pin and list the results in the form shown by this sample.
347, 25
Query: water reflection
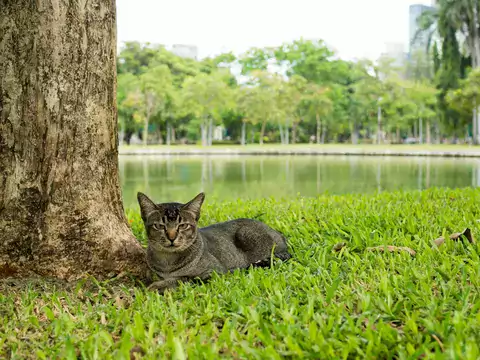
177, 178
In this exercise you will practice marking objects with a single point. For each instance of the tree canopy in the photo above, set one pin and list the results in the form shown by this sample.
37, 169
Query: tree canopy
296, 92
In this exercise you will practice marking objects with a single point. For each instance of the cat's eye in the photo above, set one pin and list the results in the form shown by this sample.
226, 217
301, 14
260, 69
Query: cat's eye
183, 226
158, 227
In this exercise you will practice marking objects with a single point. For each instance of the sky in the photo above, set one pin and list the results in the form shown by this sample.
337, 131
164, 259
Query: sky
352, 28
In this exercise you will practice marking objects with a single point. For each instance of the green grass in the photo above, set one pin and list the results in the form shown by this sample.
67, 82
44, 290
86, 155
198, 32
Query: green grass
322, 304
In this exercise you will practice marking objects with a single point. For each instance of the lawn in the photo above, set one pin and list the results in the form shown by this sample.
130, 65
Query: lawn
322, 304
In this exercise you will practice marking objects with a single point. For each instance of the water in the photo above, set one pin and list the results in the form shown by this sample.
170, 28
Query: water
179, 178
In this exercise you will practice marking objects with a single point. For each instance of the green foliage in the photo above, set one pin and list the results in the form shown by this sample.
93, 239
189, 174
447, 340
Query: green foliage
298, 87
321, 304
467, 97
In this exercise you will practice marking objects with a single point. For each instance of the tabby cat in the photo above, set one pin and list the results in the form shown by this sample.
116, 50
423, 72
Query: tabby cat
178, 250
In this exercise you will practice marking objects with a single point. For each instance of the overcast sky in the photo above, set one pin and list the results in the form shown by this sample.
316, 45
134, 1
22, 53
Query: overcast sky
353, 28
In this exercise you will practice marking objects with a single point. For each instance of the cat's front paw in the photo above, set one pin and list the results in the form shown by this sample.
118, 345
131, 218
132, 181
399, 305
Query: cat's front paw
162, 286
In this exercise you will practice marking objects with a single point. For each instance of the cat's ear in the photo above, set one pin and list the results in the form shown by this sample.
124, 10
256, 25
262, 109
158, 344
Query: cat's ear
147, 206
194, 205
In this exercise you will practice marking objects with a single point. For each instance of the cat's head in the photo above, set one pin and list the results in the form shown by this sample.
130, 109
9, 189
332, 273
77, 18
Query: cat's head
172, 226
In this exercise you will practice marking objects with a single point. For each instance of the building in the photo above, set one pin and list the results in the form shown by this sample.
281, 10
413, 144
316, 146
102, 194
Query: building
396, 52
420, 43
395, 56
185, 51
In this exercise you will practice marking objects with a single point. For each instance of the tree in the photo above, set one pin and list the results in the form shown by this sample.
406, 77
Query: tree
451, 21
206, 97
466, 98
156, 88
295, 106
246, 100
61, 211
135, 57
319, 105
425, 97
266, 105
129, 104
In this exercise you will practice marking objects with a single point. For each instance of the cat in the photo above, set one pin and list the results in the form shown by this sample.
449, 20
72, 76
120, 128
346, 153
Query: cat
178, 250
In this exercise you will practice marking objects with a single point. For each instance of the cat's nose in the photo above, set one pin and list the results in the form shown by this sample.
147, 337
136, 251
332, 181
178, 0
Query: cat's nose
172, 234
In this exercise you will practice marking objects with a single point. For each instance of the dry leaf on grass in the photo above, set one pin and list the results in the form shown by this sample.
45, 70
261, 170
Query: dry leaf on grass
467, 234
136, 353
339, 246
391, 248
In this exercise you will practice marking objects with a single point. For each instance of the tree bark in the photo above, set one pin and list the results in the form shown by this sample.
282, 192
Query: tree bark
420, 130
294, 132
244, 125
282, 138
354, 133
429, 131
476, 38
168, 133
379, 125
286, 134
319, 127
262, 132
172, 134
145, 131
437, 133
324, 132
159, 132
61, 212
203, 130
475, 124
210, 132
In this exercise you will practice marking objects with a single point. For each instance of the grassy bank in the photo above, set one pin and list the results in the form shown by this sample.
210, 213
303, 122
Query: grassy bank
322, 304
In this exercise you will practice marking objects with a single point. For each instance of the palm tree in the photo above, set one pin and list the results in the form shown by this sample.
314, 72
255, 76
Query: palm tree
458, 15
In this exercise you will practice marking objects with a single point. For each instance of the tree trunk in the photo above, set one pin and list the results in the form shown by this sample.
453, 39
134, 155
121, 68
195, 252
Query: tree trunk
354, 133
428, 130
420, 130
282, 137
286, 134
475, 124
61, 212
159, 132
398, 136
379, 125
475, 38
324, 132
145, 131
172, 133
210, 132
168, 133
319, 127
203, 130
294, 132
262, 132
244, 125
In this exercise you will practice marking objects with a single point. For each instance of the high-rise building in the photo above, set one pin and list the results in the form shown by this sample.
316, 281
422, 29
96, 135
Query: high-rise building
395, 51
420, 42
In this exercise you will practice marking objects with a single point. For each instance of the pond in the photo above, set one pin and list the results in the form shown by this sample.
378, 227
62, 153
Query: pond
179, 178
